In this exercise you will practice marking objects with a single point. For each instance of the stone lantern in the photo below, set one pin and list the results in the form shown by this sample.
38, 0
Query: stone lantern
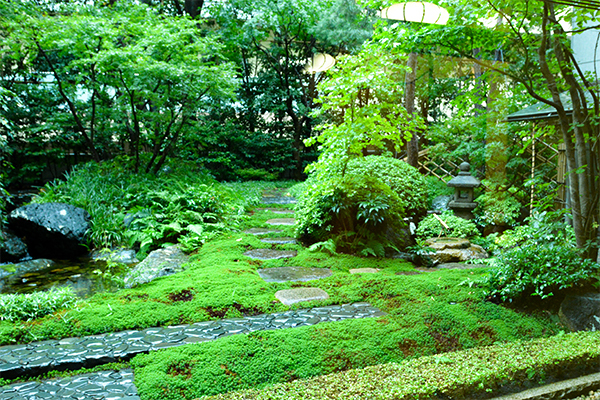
464, 185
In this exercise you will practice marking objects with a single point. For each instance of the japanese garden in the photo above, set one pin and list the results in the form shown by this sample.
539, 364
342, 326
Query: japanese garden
299, 199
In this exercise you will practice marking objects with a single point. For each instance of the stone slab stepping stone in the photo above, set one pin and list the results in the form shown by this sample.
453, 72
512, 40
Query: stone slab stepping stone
286, 274
280, 240
460, 266
278, 200
282, 221
292, 296
261, 231
270, 254
276, 210
364, 271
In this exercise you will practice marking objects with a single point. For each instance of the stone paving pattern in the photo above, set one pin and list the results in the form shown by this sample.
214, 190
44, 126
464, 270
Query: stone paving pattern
105, 385
74, 353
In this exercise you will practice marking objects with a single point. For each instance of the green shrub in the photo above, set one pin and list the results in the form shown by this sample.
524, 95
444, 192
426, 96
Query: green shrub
539, 270
30, 306
458, 227
361, 214
539, 259
403, 179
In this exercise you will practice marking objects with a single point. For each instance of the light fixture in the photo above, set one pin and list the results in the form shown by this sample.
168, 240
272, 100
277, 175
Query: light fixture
416, 11
319, 62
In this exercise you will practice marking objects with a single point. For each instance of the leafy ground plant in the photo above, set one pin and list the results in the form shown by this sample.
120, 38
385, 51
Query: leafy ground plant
431, 227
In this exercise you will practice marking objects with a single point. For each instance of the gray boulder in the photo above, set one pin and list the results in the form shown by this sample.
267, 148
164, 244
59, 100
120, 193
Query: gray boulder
162, 262
11, 248
581, 312
51, 230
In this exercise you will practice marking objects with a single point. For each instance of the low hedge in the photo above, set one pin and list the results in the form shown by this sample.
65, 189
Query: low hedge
475, 373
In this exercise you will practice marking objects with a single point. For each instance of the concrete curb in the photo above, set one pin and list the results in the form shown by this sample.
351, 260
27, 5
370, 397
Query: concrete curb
559, 390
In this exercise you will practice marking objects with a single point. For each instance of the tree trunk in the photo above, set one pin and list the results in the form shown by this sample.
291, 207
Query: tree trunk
193, 7
411, 77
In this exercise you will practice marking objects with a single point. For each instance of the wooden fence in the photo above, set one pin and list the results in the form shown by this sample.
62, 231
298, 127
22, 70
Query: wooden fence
546, 163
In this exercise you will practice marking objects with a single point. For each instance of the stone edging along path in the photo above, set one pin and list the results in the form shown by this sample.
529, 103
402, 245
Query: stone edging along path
85, 352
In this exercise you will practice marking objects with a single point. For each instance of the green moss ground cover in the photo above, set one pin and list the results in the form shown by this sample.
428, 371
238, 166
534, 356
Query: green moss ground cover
469, 374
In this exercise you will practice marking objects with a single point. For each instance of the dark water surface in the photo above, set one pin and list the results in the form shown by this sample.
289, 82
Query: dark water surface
84, 275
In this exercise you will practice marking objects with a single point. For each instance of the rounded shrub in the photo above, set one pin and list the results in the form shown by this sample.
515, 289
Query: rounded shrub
359, 213
539, 259
402, 178
457, 227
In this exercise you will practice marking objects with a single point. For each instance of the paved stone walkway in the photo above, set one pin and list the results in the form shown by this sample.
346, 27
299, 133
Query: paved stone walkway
36, 358
74, 353
105, 385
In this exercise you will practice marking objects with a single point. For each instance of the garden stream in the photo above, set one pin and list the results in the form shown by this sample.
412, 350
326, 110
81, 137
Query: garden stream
85, 275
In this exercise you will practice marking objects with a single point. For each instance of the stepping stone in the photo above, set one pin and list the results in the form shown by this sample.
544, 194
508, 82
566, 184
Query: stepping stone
269, 254
278, 200
282, 221
292, 296
281, 240
286, 274
261, 231
364, 271
459, 266
276, 210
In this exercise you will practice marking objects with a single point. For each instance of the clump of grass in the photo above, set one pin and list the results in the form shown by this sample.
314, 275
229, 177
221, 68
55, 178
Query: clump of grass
29, 306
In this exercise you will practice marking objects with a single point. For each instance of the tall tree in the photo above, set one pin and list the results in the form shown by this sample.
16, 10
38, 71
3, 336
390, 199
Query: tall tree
276, 40
124, 73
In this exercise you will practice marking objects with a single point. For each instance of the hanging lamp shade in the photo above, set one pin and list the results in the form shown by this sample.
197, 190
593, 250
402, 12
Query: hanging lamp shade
319, 63
416, 11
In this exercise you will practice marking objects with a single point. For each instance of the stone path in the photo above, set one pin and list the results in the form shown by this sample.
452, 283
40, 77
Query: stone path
106, 385
37, 358
74, 353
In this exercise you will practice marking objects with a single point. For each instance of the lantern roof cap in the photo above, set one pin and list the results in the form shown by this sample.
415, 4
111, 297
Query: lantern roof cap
464, 179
